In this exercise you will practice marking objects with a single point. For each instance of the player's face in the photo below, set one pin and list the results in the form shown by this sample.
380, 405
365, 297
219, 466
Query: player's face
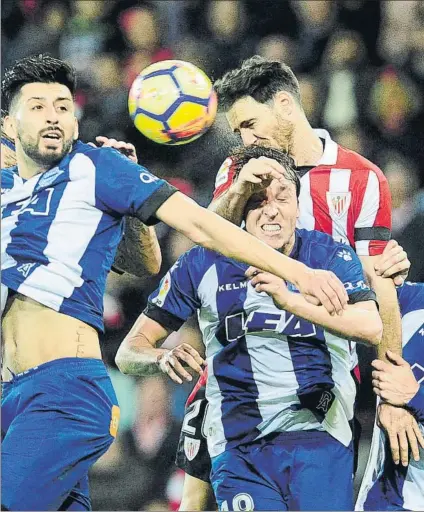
261, 123
271, 215
44, 123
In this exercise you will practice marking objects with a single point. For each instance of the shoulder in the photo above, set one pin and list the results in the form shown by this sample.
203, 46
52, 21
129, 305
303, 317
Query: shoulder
411, 297
8, 178
346, 158
319, 249
197, 261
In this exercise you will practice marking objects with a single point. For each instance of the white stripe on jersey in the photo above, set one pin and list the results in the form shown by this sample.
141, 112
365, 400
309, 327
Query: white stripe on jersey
368, 211
79, 233
306, 218
22, 193
339, 182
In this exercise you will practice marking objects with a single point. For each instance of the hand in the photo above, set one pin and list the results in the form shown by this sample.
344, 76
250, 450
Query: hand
394, 383
393, 263
125, 148
169, 362
323, 287
401, 428
257, 174
266, 282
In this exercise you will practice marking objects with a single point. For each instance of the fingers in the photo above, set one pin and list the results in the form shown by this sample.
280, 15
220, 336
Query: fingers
418, 434
335, 299
394, 446
413, 443
396, 358
394, 260
172, 366
403, 447
399, 280
251, 271
380, 365
125, 148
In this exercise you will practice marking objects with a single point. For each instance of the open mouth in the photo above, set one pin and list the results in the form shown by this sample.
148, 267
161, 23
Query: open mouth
271, 228
52, 136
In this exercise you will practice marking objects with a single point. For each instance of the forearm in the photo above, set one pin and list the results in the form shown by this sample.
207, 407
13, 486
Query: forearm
416, 404
355, 324
390, 316
136, 356
230, 206
209, 230
139, 250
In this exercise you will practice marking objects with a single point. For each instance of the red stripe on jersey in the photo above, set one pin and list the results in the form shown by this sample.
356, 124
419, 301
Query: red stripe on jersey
319, 185
199, 384
384, 214
357, 186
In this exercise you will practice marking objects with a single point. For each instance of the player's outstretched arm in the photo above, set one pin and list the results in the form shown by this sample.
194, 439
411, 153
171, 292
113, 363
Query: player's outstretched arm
359, 322
211, 231
138, 355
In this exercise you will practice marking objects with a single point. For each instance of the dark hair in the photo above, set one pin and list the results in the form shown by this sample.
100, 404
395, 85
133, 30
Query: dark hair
37, 68
256, 77
242, 154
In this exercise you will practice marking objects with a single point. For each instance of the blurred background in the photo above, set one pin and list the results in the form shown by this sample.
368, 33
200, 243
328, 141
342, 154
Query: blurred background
361, 69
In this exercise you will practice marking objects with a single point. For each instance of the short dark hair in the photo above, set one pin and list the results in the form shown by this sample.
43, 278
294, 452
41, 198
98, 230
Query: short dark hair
242, 154
37, 68
256, 77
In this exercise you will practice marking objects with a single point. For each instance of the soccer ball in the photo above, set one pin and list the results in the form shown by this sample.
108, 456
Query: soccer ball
172, 102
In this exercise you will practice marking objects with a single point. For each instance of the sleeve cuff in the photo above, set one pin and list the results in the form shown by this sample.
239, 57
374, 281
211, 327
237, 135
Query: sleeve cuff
416, 404
362, 295
146, 212
163, 317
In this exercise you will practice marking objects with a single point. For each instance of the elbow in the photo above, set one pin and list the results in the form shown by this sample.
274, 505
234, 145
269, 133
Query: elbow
120, 361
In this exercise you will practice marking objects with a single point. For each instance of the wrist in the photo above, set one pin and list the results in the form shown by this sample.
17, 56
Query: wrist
241, 189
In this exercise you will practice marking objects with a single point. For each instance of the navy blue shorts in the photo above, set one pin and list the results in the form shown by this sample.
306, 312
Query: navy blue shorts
57, 420
307, 470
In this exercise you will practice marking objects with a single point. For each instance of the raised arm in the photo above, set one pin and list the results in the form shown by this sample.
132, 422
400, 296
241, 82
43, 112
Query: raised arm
211, 231
359, 322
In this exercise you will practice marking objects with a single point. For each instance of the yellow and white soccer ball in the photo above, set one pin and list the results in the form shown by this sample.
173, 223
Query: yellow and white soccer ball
172, 102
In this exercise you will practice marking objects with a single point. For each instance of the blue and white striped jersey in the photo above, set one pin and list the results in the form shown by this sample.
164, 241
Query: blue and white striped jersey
61, 228
268, 370
386, 486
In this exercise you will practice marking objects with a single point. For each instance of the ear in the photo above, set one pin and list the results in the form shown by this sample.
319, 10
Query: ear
10, 127
284, 102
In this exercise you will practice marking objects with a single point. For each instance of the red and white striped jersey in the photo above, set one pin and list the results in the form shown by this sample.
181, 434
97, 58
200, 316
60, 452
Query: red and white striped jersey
344, 195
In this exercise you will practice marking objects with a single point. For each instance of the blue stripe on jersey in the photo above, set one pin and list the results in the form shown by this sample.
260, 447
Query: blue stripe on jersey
313, 370
232, 366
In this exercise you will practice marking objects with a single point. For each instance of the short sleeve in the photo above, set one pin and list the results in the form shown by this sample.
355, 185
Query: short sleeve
374, 223
126, 188
348, 268
176, 298
224, 178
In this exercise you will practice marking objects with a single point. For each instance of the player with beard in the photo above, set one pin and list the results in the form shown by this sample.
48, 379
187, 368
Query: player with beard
62, 211
343, 194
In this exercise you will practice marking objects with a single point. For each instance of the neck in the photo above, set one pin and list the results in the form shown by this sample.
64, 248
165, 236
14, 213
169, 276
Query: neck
27, 167
287, 249
307, 146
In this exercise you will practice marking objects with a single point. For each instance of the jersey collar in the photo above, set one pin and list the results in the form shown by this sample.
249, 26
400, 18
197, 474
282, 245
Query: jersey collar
329, 156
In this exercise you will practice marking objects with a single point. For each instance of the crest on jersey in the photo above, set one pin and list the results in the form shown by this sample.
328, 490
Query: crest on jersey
49, 177
338, 203
163, 290
191, 447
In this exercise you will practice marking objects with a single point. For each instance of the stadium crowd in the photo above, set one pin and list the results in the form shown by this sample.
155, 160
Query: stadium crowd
361, 70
